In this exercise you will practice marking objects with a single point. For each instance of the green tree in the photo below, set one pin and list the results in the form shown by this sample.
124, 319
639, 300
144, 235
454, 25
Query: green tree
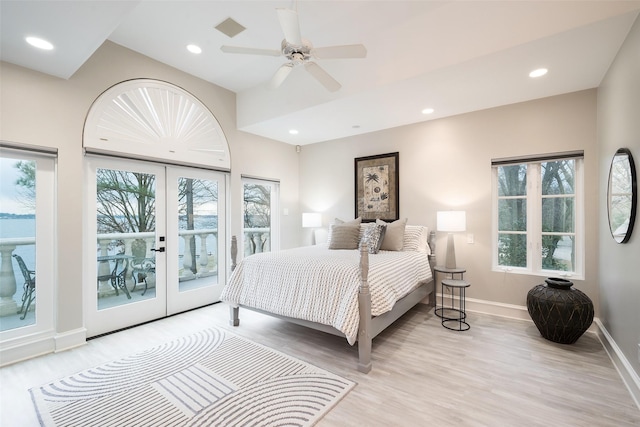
26, 183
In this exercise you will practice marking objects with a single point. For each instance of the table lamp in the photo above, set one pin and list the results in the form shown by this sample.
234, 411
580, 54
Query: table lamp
312, 220
451, 222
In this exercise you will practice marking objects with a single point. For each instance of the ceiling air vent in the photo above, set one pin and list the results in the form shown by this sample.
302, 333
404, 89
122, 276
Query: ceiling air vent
230, 28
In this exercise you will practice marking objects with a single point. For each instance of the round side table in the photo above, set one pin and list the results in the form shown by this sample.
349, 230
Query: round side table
455, 318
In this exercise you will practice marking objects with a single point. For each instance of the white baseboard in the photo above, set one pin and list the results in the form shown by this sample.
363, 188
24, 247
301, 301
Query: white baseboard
38, 344
624, 368
620, 362
26, 347
70, 339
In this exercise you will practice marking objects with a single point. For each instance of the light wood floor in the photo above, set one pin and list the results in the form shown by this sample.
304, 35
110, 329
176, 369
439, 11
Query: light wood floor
499, 373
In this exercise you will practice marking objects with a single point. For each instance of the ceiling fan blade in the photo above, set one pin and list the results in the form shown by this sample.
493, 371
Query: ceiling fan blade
280, 75
322, 76
250, 50
290, 26
345, 51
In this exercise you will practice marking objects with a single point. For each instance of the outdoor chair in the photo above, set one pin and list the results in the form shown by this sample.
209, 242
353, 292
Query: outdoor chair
29, 287
140, 269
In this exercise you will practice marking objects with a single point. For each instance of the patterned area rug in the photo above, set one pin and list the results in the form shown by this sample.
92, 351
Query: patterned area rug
211, 378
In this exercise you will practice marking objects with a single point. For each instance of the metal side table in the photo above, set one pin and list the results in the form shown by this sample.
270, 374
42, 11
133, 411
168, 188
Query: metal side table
455, 318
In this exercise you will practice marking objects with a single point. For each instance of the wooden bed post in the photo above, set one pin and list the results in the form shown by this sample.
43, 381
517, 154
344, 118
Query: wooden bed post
364, 299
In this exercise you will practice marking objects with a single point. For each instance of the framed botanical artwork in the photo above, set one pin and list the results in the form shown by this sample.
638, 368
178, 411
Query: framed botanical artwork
377, 187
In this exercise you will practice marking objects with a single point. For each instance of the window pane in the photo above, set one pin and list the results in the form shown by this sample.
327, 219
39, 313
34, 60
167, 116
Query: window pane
558, 177
512, 250
257, 217
18, 243
558, 253
198, 231
512, 215
558, 215
512, 180
126, 222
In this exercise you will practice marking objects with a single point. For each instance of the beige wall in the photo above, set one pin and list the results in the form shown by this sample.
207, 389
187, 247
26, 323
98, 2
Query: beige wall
46, 111
446, 164
619, 126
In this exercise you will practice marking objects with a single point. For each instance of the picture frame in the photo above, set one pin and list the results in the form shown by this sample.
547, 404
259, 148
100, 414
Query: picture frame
377, 187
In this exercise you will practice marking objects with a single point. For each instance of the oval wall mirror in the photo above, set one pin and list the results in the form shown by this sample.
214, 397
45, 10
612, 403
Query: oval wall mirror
622, 195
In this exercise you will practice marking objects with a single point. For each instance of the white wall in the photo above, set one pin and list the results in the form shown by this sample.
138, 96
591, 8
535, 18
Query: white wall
46, 111
619, 126
446, 164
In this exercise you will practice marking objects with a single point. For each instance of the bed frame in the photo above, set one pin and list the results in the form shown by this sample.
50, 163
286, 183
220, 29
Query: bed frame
369, 326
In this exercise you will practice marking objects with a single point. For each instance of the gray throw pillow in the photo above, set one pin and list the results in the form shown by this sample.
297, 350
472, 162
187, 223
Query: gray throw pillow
373, 236
394, 235
344, 236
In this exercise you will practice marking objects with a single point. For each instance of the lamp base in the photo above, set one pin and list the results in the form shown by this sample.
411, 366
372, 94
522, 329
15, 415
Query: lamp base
450, 260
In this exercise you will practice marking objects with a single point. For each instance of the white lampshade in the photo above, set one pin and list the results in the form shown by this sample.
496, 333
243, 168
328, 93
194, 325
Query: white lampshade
311, 220
451, 221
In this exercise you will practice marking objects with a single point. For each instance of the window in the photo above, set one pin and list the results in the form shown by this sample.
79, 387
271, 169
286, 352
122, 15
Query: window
27, 191
260, 220
538, 215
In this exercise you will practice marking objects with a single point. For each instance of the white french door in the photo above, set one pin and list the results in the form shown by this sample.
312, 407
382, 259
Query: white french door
158, 236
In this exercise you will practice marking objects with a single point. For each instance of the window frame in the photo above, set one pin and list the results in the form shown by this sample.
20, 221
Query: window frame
534, 233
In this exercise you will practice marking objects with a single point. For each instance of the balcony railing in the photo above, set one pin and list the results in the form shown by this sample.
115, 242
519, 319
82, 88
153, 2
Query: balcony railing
256, 240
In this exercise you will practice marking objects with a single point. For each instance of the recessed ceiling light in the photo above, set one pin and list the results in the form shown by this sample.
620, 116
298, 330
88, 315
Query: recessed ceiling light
428, 111
356, 126
194, 49
39, 43
293, 132
538, 73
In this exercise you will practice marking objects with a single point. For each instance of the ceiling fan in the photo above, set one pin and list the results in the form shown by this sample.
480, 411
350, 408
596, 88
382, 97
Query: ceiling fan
300, 51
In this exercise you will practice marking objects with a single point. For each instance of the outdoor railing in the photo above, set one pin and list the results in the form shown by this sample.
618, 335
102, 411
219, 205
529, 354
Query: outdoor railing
256, 240
8, 282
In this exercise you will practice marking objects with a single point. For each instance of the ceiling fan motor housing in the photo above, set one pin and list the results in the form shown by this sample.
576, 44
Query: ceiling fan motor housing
297, 54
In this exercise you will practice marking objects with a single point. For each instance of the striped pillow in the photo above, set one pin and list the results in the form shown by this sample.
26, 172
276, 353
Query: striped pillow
415, 238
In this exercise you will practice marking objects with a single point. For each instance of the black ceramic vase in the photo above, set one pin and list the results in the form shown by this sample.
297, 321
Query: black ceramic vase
561, 313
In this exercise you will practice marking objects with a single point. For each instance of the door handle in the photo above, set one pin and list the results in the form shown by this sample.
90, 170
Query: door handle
158, 250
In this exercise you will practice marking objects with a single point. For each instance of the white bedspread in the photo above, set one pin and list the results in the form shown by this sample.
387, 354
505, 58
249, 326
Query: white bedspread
321, 285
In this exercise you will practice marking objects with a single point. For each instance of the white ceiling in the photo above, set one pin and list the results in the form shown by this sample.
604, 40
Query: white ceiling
452, 56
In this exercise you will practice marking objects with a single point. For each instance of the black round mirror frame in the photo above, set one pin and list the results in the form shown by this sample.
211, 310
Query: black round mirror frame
634, 195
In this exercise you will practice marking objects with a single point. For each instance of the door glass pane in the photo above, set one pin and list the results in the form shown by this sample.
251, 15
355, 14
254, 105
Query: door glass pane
257, 217
126, 224
17, 243
198, 233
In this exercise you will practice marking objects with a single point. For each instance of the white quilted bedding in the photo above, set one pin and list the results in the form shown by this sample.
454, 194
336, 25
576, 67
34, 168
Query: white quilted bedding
321, 285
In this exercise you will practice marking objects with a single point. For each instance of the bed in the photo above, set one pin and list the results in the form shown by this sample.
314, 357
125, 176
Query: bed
354, 293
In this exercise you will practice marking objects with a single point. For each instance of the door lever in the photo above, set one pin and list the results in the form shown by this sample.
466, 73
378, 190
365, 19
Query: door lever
159, 249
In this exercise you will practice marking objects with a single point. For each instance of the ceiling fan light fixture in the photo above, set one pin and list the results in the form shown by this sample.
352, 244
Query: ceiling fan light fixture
39, 43
539, 72
195, 49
